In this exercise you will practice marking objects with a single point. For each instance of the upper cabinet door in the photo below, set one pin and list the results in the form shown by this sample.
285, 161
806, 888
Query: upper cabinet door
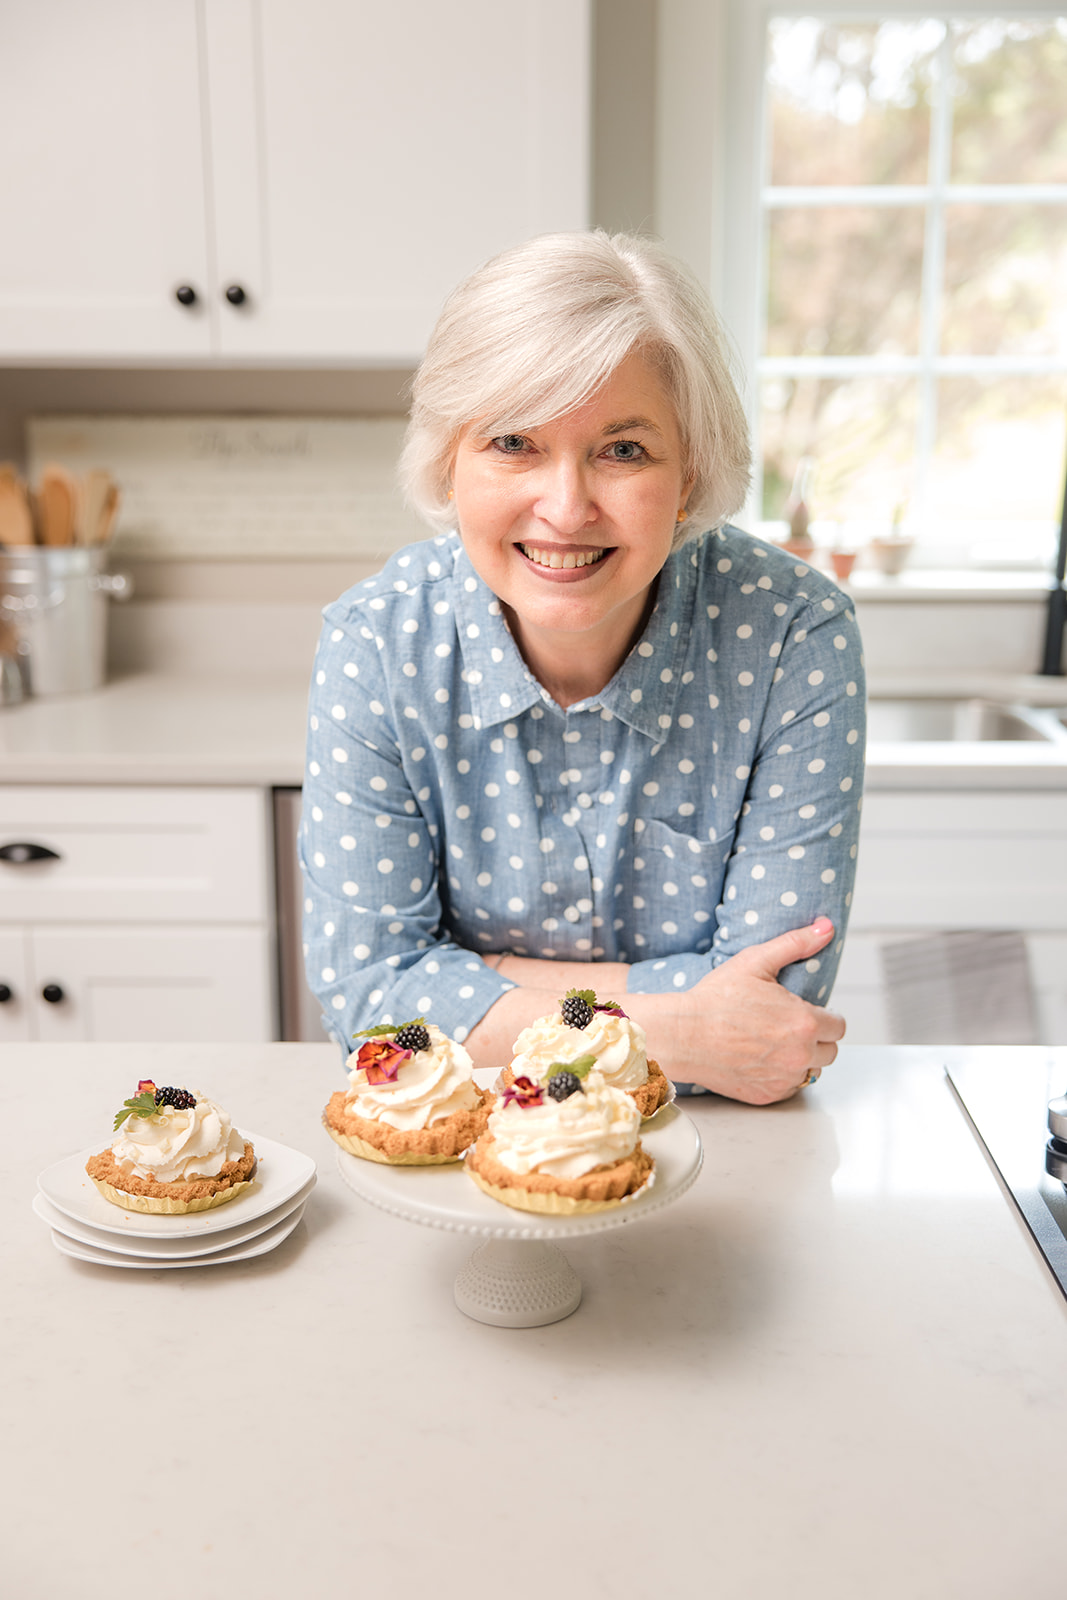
365, 157
102, 183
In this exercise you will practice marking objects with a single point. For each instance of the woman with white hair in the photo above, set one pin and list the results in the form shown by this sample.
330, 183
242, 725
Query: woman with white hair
590, 735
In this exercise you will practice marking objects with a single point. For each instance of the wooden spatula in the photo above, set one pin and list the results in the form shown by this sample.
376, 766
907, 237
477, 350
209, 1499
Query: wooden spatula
16, 522
55, 506
108, 514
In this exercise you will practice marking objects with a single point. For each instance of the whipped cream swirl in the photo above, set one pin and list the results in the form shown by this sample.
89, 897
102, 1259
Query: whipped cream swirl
567, 1138
619, 1044
175, 1146
431, 1085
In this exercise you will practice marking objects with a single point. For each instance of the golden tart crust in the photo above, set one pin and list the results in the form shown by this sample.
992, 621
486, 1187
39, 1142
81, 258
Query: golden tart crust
441, 1142
602, 1187
194, 1194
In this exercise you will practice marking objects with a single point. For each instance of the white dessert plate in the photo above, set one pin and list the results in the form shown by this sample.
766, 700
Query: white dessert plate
259, 1246
280, 1173
163, 1249
445, 1197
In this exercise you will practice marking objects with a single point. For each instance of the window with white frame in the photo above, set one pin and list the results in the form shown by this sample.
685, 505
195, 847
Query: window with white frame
911, 325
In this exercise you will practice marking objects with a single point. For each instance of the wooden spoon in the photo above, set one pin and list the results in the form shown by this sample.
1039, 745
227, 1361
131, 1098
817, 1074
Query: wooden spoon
92, 499
55, 506
16, 521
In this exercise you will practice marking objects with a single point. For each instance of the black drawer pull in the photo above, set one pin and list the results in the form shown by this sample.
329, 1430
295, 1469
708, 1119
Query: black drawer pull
52, 993
6, 993
19, 853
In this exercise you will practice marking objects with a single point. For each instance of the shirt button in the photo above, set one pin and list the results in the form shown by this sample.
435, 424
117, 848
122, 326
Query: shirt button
585, 801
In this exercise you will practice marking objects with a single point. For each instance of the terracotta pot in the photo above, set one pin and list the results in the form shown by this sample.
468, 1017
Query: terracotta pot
842, 562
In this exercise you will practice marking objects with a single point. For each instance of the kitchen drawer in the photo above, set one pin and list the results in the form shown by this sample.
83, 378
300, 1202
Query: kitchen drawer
962, 860
136, 855
150, 985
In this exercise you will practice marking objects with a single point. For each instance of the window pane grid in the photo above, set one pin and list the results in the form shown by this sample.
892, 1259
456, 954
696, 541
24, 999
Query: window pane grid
927, 368
910, 194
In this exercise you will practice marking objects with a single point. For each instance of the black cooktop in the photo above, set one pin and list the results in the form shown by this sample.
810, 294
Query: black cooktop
1007, 1104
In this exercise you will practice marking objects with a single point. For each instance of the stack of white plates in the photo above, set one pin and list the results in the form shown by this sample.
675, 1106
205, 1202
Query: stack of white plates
90, 1228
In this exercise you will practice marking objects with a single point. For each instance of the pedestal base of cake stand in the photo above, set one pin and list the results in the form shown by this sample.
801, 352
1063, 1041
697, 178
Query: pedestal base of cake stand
518, 1278
518, 1283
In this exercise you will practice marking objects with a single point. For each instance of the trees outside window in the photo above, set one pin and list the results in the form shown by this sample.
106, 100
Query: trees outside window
910, 303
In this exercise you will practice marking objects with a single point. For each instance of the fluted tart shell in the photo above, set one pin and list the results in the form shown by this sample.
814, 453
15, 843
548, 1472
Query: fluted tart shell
601, 1189
442, 1142
124, 1188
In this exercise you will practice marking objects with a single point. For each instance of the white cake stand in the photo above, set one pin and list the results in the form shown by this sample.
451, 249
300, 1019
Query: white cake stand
517, 1279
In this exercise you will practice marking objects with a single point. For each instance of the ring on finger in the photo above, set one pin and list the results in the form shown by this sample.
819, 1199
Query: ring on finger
810, 1076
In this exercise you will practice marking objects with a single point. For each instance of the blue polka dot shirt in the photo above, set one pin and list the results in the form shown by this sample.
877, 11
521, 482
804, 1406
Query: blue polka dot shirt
707, 799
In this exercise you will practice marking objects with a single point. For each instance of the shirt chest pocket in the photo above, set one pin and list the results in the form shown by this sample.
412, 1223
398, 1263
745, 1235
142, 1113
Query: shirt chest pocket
676, 884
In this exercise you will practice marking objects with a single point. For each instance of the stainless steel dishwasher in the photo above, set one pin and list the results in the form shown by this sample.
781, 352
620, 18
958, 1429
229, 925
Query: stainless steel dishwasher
300, 1013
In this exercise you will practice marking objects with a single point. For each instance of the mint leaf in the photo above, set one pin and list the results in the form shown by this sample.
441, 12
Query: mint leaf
386, 1030
588, 995
580, 1067
142, 1105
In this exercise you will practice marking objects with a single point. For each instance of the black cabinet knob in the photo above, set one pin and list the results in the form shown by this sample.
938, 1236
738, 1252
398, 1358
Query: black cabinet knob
52, 993
236, 295
19, 852
6, 993
185, 294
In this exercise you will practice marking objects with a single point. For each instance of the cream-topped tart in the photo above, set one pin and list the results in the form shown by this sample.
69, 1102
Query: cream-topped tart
173, 1152
584, 1025
564, 1147
411, 1100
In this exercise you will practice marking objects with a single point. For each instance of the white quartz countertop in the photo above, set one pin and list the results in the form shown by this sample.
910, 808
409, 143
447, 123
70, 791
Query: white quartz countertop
833, 1369
153, 727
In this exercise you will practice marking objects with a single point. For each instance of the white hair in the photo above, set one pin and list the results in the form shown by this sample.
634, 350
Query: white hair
537, 330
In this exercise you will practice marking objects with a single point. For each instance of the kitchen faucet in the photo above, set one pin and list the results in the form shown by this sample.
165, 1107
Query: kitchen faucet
1052, 665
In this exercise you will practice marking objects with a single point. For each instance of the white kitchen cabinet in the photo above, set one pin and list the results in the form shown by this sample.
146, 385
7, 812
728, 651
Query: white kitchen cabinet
319, 173
15, 993
137, 914
102, 185
948, 860
145, 983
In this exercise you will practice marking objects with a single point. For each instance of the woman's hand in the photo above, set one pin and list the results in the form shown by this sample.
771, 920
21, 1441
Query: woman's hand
739, 1032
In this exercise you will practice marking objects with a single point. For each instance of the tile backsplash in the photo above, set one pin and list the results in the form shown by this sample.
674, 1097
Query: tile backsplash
250, 488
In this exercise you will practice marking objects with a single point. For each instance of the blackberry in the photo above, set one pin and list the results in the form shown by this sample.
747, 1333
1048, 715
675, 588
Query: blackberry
576, 1012
412, 1036
180, 1099
562, 1085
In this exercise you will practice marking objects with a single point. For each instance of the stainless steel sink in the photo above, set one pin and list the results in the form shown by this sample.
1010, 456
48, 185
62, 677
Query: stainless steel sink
896, 719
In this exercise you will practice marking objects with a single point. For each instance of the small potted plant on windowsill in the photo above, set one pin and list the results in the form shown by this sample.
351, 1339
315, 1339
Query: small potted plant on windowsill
890, 553
798, 513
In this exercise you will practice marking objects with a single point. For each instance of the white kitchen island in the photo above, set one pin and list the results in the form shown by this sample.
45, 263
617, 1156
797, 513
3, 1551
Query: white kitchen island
833, 1370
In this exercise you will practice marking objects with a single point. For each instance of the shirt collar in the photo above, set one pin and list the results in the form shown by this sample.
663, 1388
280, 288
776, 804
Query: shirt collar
501, 684
640, 695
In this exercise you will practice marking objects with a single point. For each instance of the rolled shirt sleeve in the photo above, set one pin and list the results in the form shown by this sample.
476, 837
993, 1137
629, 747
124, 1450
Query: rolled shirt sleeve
370, 859
793, 855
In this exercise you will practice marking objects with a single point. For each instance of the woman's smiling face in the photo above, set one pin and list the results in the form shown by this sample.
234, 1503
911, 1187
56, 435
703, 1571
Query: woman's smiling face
569, 524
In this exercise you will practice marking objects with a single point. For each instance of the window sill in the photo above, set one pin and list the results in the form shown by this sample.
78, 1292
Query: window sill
937, 584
